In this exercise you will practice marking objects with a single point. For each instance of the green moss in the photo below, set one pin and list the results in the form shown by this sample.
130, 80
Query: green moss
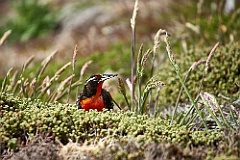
66, 121
121, 135
220, 79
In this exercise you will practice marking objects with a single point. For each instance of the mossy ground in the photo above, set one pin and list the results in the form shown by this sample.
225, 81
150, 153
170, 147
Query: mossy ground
36, 129
28, 127
220, 79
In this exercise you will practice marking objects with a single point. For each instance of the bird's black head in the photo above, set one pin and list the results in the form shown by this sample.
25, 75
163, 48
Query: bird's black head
97, 78
92, 83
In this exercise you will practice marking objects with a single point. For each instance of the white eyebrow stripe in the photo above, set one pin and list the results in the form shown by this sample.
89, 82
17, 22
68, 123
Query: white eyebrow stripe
90, 79
94, 78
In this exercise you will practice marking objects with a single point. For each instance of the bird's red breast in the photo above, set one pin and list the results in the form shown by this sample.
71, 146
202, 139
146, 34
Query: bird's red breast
94, 102
93, 96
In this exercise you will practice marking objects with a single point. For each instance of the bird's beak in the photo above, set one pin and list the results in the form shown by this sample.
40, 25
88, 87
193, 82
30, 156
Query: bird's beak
107, 76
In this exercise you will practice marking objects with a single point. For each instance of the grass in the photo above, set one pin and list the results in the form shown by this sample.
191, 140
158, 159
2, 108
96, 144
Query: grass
39, 86
33, 119
35, 125
138, 101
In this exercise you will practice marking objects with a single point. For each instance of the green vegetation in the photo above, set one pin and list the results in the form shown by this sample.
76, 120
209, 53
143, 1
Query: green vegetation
220, 78
200, 79
66, 121
32, 20
34, 84
22, 120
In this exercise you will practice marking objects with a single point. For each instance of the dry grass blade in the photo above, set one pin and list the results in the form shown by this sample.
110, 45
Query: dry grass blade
33, 85
74, 57
77, 83
29, 60
46, 84
84, 68
63, 83
46, 62
9, 71
157, 39
23, 89
145, 57
5, 80
169, 52
4, 37
196, 64
60, 89
211, 55
60, 71
13, 86
75, 52
26, 83
139, 58
129, 84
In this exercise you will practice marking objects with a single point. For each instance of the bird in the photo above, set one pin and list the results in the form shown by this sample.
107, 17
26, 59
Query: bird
93, 96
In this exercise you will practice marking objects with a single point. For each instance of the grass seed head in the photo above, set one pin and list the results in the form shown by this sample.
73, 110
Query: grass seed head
121, 86
4, 37
74, 57
134, 16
